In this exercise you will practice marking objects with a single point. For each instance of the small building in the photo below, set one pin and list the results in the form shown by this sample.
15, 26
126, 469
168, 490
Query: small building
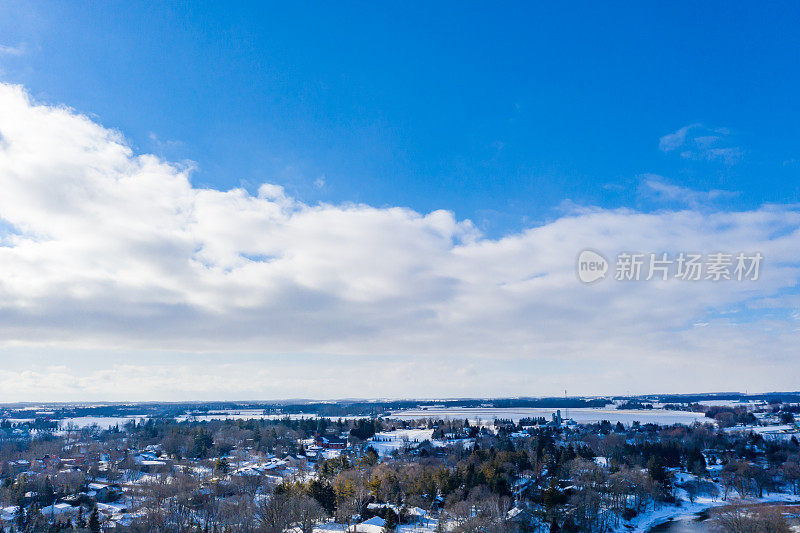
104, 492
8, 515
373, 525
58, 509
330, 443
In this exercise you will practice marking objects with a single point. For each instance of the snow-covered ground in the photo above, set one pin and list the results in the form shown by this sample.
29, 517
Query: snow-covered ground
732, 403
781, 432
580, 415
250, 414
424, 527
649, 519
330, 527
387, 442
642, 523
104, 422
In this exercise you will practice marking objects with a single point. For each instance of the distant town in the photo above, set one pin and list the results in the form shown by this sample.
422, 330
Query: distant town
729, 461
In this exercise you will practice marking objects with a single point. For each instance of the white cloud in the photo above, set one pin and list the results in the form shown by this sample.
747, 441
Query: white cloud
675, 140
7, 50
658, 188
102, 249
698, 142
162, 146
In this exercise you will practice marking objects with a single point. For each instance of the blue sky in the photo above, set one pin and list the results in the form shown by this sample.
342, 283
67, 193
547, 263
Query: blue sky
256, 201
496, 114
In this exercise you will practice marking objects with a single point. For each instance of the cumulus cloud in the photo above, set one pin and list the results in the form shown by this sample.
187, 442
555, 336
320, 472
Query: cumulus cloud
105, 249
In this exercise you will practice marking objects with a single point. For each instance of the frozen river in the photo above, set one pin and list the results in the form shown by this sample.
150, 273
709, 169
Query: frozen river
691, 523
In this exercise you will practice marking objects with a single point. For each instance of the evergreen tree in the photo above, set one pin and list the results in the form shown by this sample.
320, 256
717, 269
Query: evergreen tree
94, 521
221, 467
21, 519
324, 494
47, 495
656, 469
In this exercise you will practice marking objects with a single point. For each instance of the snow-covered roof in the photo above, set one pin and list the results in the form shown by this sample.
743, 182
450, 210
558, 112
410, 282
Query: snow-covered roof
373, 525
58, 508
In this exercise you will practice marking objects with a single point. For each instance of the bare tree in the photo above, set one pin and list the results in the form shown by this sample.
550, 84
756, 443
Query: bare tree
307, 513
751, 520
274, 514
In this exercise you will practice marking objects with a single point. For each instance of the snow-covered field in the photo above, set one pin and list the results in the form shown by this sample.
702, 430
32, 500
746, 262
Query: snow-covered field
784, 432
249, 414
732, 403
475, 415
389, 441
580, 415
104, 422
